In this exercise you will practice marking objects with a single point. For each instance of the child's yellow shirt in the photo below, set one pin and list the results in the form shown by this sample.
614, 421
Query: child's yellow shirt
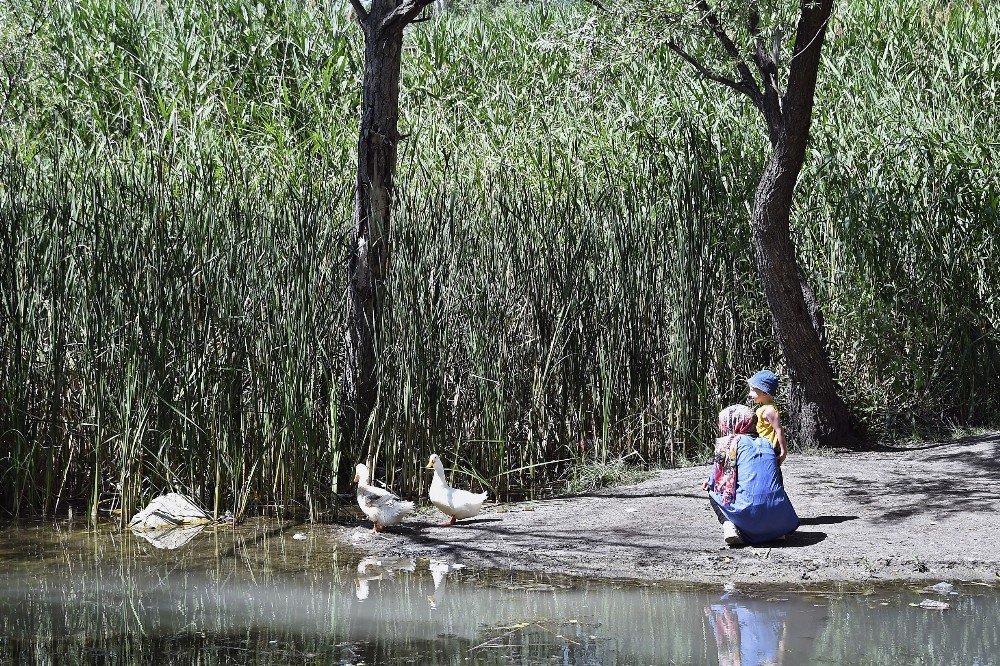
764, 428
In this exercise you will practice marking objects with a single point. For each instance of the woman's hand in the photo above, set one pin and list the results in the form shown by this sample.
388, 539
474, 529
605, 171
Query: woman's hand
704, 485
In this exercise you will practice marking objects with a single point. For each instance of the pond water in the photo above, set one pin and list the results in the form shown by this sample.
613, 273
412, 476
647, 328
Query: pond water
268, 593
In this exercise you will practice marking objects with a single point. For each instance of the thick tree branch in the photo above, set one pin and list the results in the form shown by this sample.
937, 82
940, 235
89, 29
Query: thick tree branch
753, 25
815, 8
359, 10
776, 47
797, 102
404, 14
768, 68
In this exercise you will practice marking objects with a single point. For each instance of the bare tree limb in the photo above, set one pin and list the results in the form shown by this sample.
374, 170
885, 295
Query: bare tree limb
819, 33
709, 16
748, 88
776, 48
753, 23
768, 68
404, 14
359, 10
761, 58
797, 102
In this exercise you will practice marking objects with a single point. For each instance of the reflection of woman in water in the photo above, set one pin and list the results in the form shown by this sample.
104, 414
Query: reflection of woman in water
748, 633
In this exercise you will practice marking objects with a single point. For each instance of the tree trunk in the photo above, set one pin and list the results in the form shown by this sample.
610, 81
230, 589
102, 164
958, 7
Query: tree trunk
818, 416
368, 269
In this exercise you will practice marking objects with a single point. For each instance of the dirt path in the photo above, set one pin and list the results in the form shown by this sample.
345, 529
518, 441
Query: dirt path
929, 513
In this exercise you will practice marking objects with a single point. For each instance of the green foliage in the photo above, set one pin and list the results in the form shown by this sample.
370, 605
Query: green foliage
571, 252
588, 476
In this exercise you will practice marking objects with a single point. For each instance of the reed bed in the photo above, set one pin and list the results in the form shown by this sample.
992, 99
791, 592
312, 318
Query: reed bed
572, 277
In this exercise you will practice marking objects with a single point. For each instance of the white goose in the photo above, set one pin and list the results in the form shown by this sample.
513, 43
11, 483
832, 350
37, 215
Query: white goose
452, 501
382, 507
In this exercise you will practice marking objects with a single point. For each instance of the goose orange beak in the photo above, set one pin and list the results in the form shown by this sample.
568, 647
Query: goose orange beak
429, 465
356, 478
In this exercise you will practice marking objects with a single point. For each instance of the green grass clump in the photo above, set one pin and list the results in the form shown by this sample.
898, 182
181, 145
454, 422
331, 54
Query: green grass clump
592, 475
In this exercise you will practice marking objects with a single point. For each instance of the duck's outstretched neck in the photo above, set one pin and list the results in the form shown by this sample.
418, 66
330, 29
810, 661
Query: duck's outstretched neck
439, 479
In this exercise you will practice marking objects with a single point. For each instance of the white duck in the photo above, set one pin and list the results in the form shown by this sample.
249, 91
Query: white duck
382, 507
452, 501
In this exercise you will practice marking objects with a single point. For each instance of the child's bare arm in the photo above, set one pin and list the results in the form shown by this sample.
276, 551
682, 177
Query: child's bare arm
774, 418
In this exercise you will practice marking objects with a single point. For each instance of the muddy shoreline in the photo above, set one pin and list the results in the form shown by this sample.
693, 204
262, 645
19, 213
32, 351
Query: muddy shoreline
921, 514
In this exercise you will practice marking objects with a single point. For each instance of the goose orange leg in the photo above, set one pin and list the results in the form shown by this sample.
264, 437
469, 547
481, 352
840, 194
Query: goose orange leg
448, 522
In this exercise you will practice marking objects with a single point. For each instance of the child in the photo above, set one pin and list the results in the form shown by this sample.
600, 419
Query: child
743, 484
763, 386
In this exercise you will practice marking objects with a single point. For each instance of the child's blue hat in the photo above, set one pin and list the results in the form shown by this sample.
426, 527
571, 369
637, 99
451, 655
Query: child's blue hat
764, 381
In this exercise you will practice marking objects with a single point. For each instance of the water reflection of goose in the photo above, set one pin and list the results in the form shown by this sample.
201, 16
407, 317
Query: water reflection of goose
376, 568
439, 572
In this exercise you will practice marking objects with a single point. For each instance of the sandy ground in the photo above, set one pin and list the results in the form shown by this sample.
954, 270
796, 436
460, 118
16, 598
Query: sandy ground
927, 513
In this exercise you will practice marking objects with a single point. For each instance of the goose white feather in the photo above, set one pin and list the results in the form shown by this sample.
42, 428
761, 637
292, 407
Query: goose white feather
382, 507
452, 501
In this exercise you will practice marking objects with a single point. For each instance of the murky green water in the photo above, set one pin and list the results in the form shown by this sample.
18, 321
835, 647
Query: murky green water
257, 595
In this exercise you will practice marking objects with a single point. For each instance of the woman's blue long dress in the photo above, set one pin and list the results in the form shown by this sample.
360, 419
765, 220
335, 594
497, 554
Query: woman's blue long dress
761, 509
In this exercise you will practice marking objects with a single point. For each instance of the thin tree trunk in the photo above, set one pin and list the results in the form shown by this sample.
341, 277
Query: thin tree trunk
369, 263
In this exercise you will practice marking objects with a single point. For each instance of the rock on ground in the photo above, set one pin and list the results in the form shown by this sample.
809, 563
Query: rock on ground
170, 510
923, 513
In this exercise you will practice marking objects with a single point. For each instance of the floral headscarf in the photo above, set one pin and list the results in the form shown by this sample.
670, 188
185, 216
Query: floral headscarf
734, 421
